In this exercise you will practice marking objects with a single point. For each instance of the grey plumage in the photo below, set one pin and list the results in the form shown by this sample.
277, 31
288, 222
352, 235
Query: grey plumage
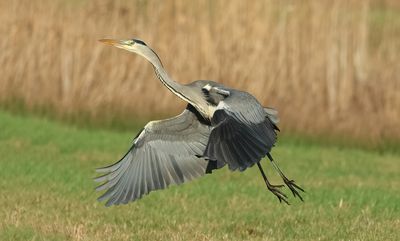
220, 126
242, 132
164, 153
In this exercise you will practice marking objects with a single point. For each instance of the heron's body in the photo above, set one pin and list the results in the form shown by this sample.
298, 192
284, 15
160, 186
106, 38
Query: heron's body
220, 126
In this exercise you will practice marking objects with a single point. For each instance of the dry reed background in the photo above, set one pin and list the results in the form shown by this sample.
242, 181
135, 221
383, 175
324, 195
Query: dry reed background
327, 66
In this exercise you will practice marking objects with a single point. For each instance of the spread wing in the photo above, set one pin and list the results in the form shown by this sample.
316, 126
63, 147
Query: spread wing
242, 133
164, 153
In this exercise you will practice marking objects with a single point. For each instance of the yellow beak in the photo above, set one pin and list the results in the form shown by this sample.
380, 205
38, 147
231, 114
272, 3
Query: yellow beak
111, 42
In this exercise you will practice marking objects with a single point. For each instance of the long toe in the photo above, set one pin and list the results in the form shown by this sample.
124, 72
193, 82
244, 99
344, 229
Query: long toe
282, 197
278, 193
294, 188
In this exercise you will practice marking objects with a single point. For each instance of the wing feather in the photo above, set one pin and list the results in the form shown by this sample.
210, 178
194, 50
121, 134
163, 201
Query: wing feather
242, 132
165, 152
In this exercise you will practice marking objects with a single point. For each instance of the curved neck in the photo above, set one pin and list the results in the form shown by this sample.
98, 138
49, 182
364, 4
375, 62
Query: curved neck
189, 94
175, 87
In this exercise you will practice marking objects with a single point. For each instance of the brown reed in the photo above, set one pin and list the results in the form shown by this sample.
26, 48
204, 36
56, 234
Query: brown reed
327, 66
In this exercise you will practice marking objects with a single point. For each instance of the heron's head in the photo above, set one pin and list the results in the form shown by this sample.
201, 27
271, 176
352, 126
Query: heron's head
133, 45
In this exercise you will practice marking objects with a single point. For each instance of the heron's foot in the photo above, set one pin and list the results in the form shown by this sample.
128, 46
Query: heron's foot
278, 193
294, 188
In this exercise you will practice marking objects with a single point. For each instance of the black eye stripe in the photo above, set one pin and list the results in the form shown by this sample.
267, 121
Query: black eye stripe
138, 41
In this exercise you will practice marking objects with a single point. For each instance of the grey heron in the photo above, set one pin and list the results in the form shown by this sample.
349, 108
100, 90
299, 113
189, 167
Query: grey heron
220, 126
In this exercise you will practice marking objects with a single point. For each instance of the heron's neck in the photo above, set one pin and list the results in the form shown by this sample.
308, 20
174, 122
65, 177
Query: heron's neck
172, 85
182, 91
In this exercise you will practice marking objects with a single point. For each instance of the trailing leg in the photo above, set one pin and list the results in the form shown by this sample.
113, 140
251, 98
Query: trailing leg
289, 183
273, 188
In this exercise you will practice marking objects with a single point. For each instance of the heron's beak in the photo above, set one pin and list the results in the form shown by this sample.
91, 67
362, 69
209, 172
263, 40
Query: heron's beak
109, 41
113, 42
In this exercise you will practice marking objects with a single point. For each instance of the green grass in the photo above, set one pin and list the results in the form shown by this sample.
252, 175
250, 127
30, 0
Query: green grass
47, 192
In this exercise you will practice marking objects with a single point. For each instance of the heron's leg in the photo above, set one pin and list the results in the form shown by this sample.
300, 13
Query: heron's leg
290, 183
273, 188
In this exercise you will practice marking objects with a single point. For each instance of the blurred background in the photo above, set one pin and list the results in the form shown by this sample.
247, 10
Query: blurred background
329, 67
69, 104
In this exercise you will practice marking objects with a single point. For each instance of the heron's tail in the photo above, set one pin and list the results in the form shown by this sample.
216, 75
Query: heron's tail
272, 114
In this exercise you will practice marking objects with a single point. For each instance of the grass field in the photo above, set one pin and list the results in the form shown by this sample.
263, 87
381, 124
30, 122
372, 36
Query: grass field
47, 193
